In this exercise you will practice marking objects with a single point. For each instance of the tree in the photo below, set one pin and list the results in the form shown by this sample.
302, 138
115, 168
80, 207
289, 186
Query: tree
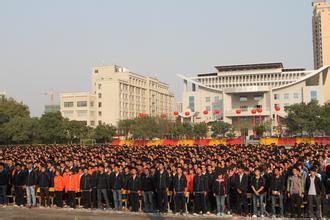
104, 133
124, 126
304, 118
260, 130
52, 128
75, 130
200, 130
220, 128
9, 109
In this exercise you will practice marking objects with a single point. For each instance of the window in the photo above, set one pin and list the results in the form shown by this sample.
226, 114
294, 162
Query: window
243, 99
100, 95
68, 104
96, 71
82, 114
100, 113
207, 99
91, 104
92, 123
276, 96
216, 98
100, 104
192, 103
244, 108
100, 122
286, 95
258, 97
100, 86
67, 114
82, 104
296, 95
313, 95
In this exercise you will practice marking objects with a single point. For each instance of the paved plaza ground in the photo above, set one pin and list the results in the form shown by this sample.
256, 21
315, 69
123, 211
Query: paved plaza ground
15, 213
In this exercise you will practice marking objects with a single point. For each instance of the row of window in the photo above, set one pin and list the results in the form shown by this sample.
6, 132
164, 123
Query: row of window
286, 96
70, 104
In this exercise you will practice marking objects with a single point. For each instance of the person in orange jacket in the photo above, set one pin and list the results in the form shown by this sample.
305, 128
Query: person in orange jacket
58, 188
190, 180
72, 185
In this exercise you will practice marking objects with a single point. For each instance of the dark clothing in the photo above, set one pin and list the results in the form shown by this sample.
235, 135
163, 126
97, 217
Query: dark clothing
117, 181
258, 183
147, 183
296, 205
219, 188
243, 184
277, 184
43, 180
317, 183
134, 184
44, 196
4, 178
179, 184
162, 180
102, 181
179, 201
72, 199
86, 199
31, 178
19, 178
85, 182
200, 184
58, 201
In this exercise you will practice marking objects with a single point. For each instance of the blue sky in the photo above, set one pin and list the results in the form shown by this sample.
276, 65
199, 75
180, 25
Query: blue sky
52, 45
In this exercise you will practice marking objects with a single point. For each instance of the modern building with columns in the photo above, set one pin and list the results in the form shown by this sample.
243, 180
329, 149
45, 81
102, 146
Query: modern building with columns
232, 93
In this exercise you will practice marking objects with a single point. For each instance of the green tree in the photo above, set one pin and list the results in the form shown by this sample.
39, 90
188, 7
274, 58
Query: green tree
260, 130
75, 130
9, 109
200, 130
124, 126
220, 128
52, 128
104, 133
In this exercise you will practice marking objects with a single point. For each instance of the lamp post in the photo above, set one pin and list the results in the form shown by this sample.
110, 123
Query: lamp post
253, 112
238, 112
259, 110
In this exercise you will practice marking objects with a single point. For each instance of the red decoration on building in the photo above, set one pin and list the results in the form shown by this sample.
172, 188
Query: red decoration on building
141, 115
238, 111
259, 110
175, 113
216, 112
205, 112
277, 108
187, 113
253, 111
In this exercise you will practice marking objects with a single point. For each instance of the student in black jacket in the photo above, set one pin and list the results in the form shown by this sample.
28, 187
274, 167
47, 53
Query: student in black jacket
102, 182
148, 188
179, 188
134, 190
43, 181
313, 189
31, 182
19, 183
94, 190
85, 189
3, 185
200, 188
277, 188
117, 185
241, 186
162, 184
258, 187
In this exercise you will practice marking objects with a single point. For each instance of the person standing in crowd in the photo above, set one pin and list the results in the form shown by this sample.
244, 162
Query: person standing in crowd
3, 185
162, 184
19, 183
200, 192
219, 189
93, 185
102, 182
71, 187
134, 190
241, 186
58, 189
31, 182
313, 190
295, 191
85, 189
148, 188
258, 186
43, 182
277, 189
179, 188
117, 185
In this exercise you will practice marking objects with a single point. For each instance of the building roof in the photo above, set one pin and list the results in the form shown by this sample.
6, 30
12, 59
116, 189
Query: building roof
249, 67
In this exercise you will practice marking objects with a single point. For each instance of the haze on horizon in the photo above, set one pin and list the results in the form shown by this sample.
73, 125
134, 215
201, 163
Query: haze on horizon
52, 45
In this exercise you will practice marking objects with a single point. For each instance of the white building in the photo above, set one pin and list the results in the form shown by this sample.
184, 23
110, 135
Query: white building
242, 88
2, 95
118, 93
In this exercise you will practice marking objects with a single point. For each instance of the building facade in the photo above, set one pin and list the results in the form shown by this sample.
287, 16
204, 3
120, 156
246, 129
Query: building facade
321, 38
232, 93
2, 95
52, 108
117, 93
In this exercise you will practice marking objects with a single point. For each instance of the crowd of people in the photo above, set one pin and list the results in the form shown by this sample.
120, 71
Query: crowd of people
246, 180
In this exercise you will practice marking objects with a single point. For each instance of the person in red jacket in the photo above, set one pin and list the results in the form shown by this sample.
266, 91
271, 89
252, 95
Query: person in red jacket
71, 181
58, 188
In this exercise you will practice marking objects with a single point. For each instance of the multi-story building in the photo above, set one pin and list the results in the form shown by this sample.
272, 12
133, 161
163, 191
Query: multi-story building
117, 93
2, 95
232, 93
53, 108
321, 38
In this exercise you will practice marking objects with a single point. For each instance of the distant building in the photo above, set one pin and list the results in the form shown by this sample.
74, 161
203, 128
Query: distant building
2, 95
118, 93
321, 39
218, 95
52, 108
